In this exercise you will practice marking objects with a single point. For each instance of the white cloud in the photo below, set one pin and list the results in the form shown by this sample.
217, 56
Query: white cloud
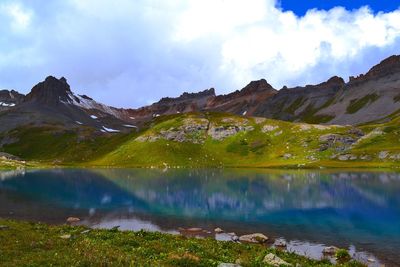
126, 52
20, 17
281, 46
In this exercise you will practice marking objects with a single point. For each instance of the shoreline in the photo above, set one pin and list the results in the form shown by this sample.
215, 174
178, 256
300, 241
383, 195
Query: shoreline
66, 244
332, 165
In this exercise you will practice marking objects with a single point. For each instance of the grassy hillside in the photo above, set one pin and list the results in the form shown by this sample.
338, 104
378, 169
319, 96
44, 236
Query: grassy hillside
212, 140
54, 144
223, 140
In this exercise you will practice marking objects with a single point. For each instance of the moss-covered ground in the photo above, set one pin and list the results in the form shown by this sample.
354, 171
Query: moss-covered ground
34, 244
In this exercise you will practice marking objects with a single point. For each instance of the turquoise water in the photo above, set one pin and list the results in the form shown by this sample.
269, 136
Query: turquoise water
309, 209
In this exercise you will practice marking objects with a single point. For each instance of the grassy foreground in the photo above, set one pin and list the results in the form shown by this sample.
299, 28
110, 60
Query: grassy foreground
33, 244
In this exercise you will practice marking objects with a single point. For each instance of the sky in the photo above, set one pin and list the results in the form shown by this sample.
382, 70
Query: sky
130, 53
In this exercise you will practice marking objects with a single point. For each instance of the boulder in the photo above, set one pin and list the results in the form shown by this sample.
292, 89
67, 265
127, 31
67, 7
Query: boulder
347, 157
218, 230
331, 250
253, 238
73, 220
280, 243
269, 128
383, 154
287, 156
274, 260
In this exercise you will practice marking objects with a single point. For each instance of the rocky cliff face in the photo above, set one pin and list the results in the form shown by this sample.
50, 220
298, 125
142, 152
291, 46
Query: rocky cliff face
365, 98
374, 96
187, 102
51, 91
301, 103
245, 101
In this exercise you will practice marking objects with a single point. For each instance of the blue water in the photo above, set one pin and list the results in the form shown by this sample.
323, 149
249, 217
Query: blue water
360, 210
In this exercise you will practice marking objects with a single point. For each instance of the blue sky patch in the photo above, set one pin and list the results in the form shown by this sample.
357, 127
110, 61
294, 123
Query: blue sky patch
301, 7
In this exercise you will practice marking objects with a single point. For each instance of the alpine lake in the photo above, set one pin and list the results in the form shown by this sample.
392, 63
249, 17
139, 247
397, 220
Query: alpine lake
309, 209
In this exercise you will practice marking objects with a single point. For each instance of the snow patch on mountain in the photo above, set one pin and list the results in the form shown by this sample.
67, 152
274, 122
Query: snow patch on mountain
7, 104
109, 130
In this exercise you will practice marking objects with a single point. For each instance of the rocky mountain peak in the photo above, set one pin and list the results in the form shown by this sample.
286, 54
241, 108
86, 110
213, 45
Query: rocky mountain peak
334, 83
50, 91
335, 80
257, 86
386, 67
190, 96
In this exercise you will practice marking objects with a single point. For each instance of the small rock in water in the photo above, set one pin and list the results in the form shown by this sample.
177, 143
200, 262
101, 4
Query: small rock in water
115, 228
280, 243
218, 230
274, 260
65, 236
4, 227
330, 250
73, 220
229, 265
223, 237
235, 238
253, 238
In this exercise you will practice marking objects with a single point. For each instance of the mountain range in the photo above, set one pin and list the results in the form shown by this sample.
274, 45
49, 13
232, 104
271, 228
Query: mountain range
53, 124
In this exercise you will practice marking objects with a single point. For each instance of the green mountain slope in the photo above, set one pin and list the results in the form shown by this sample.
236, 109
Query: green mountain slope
55, 144
224, 140
196, 140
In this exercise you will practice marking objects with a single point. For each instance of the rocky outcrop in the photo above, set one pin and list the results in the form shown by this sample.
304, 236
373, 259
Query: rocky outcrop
191, 130
222, 132
337, 141
197, 130
273, 260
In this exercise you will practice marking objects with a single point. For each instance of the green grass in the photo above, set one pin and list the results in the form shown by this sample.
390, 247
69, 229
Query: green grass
357, 104
246, 149
34, 244
295, 105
